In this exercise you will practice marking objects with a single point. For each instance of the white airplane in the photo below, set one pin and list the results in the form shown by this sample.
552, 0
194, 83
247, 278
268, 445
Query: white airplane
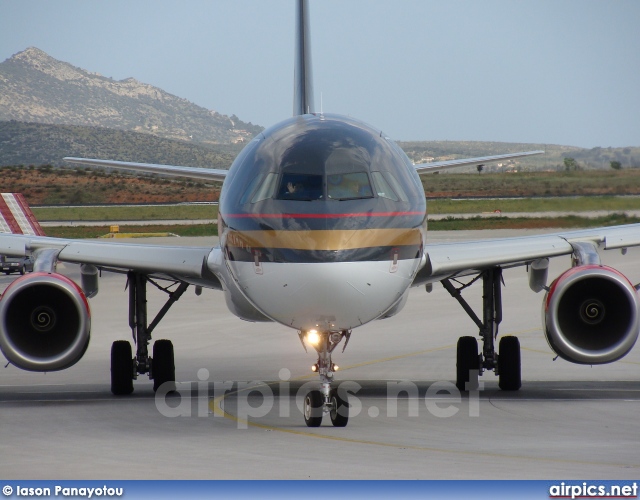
322, 224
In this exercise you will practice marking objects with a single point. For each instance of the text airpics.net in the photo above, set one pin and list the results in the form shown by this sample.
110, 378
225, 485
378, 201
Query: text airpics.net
257, 399
587, 490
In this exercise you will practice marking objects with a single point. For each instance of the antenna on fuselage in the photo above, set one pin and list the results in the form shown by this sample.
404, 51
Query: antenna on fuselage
303, 81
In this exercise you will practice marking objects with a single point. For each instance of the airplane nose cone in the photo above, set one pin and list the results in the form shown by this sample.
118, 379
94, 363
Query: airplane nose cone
331, 296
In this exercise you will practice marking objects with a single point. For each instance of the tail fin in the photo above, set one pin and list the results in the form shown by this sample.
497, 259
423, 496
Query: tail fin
303, 85
16, 217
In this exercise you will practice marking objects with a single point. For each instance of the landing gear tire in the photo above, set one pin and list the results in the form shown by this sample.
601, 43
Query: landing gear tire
121, 368
509, 364
164, 371
467, 364
313, 403
339, 410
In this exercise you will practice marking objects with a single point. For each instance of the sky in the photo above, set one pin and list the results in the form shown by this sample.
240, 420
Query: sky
530, 71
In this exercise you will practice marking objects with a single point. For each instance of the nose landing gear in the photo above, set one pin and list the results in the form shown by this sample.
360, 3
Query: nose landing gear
325, 400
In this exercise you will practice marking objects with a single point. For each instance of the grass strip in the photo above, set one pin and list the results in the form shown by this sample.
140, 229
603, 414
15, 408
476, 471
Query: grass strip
569, 222
98, 231
120, 213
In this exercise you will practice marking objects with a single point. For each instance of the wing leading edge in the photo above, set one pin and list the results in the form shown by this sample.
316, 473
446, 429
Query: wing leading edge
192, 264
449, 259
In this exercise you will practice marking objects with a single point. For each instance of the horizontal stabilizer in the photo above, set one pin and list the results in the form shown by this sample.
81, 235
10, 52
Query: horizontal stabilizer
436, 166
207, 174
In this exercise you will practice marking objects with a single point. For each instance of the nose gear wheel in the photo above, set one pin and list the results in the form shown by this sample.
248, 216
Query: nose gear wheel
326, 400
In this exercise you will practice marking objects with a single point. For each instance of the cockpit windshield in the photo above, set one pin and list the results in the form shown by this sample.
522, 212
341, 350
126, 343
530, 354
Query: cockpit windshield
348, 186
304, 187
326, 159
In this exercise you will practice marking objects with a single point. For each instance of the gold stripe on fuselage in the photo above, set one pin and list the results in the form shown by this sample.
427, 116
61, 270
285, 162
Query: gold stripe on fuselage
325, 239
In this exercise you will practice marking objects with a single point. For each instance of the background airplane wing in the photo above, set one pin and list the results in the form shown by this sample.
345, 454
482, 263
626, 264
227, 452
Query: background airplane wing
211, 174
436, 166
462, 258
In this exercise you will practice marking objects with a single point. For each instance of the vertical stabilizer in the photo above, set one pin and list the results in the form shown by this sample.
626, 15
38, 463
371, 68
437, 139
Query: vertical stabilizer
16, 217
303, 81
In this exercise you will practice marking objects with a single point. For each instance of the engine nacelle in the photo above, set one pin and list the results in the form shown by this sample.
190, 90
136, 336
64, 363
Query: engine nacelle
44, 322
591, 315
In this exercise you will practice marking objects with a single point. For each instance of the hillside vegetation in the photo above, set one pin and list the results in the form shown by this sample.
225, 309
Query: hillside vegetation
561, 183
41, 144
552, 160
47, 185
38, 144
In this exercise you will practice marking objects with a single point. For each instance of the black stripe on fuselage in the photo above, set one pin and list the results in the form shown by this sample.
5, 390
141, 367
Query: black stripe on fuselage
289, 255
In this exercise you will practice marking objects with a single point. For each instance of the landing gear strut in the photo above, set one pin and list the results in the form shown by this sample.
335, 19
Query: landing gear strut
469, 363
160, 367
325, 400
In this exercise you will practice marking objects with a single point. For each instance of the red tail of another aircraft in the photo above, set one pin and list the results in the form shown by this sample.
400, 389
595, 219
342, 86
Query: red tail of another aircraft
16, 217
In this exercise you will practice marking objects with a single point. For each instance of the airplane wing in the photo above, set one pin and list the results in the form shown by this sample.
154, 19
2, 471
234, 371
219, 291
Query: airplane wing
210, 174
445, 260
191, 264
437, 166
22, 235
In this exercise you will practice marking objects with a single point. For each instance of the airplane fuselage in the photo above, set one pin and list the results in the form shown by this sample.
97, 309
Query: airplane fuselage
322, 222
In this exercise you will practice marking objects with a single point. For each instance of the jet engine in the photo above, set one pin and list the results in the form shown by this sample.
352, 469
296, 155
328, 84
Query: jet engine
44, 322
591, 315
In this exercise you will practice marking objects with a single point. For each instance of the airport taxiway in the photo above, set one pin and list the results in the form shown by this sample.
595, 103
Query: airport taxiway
236, 414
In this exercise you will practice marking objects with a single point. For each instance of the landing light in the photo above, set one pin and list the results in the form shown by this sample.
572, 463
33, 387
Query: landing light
314, 368
312, 337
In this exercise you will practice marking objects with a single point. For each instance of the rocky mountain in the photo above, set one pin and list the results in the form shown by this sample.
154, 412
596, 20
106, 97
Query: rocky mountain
35, 87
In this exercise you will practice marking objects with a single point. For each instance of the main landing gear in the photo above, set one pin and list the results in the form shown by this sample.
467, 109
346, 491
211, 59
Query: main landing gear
325, 400
469, 363
160, 366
